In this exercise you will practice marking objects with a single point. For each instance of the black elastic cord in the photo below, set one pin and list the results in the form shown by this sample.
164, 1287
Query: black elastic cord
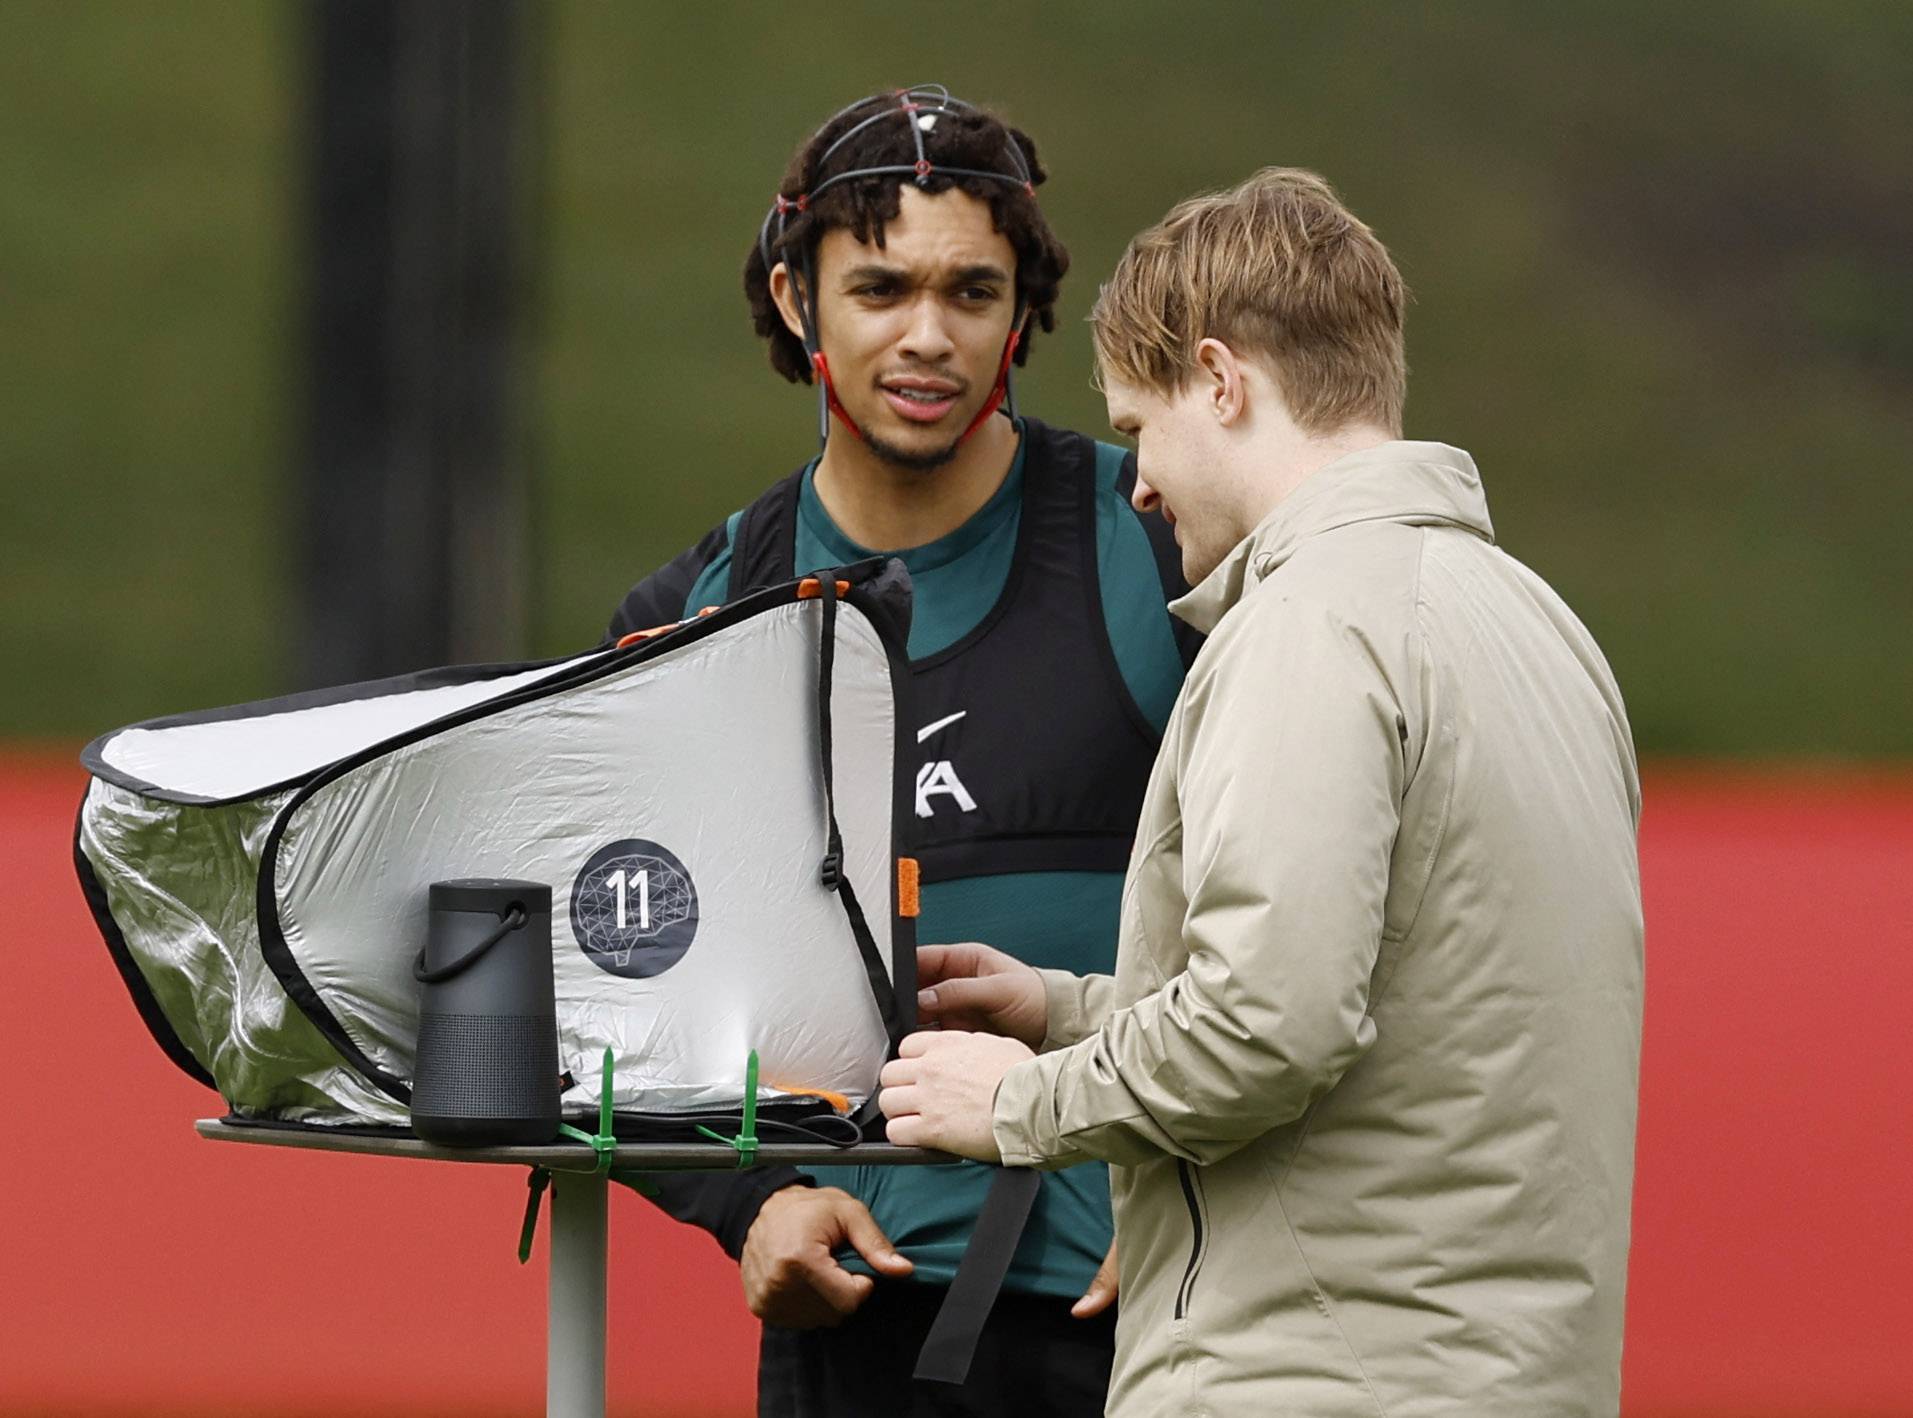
514, 918
832, 1129
832, 872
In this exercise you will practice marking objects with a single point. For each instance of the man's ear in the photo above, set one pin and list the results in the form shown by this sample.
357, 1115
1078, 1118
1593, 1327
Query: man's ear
1224, 381
784, 294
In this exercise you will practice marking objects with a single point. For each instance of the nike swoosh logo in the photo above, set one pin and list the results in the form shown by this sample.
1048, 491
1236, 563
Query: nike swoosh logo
943, 723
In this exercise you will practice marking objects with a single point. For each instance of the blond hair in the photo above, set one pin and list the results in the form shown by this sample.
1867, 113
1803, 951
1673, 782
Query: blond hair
1278, 268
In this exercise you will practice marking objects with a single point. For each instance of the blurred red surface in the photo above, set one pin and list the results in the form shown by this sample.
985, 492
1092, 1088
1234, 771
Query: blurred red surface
150, 1272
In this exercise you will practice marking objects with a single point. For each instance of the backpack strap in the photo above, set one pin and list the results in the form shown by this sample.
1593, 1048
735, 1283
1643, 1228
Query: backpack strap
765, 551
951, 1344
1162, 543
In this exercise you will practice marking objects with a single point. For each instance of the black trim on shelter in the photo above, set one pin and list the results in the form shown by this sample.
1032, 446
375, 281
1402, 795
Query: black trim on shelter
144, 1000
93, 760
871, 591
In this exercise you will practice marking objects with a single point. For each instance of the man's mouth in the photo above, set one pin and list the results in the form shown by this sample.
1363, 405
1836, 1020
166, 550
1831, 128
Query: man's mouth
921, 400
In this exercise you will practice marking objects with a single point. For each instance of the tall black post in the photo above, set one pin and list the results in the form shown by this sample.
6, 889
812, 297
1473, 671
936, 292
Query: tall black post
414, 533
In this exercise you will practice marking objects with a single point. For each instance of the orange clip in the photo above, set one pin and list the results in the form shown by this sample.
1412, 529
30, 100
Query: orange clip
810, 588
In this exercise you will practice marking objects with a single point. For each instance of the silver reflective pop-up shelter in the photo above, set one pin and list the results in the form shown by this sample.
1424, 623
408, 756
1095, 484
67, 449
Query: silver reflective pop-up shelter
716, 806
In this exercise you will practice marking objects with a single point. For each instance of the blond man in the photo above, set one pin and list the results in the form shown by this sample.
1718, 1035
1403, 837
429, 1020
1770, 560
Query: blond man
1367, 1066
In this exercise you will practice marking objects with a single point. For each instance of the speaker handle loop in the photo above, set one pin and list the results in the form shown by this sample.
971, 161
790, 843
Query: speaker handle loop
515, 919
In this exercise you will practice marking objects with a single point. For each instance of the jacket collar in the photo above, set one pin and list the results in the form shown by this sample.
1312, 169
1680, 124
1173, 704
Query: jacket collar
1418, 484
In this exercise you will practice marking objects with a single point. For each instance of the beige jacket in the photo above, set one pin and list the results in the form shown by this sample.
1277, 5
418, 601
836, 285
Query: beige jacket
1368, 1062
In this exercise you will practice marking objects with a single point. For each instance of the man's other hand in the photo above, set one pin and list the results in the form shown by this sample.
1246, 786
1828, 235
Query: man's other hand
1102, 1290
979, 988
940, 1091
791, 1277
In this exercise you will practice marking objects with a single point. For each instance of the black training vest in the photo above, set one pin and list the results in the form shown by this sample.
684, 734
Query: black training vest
1033, 754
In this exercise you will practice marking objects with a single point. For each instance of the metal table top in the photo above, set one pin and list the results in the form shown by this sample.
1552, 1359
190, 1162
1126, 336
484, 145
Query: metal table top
575, 1156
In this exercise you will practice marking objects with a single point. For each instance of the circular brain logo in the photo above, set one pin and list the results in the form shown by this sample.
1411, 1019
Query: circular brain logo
634, 909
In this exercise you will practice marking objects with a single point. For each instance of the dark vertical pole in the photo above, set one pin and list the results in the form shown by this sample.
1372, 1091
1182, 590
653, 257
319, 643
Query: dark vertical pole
414, 535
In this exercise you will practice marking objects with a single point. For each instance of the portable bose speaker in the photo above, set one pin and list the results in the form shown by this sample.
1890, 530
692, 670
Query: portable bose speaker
486, 1070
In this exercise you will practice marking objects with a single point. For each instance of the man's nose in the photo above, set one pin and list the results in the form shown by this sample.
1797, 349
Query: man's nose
1143, 497
927, 336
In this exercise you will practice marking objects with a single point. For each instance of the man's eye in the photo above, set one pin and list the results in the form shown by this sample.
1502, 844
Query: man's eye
880, 290
978, 293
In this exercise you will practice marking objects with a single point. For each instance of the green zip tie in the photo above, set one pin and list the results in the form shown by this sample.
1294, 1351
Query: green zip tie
605, 1145
746, 1140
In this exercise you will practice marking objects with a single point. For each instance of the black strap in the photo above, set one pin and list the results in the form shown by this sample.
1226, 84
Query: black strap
832, 872
951, 1344
764, 552
1162, 545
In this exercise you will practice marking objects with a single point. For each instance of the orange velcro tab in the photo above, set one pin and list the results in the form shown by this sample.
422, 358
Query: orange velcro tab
908, 900
635, 636
810, 588
836, 1100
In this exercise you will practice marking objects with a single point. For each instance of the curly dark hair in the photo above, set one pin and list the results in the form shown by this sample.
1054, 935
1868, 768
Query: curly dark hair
962, 137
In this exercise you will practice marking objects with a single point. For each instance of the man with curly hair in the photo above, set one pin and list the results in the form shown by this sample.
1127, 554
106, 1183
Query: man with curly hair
902, 270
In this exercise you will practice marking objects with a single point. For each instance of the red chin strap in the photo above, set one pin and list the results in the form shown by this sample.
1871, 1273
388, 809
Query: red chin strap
995, 401
818, 363
990, 405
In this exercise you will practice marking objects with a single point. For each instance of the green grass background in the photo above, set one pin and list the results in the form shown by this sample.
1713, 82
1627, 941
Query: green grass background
1660, 255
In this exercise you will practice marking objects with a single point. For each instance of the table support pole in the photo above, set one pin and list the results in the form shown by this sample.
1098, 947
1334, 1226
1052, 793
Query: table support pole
575, 1339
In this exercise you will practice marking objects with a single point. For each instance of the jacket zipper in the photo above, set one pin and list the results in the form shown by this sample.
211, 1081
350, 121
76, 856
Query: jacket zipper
1199, 1237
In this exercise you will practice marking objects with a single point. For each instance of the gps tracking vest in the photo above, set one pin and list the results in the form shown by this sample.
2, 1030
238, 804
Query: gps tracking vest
1030, 753
715, 807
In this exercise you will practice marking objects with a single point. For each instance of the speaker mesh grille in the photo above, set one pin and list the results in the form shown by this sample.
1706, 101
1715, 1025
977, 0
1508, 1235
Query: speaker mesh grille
486, 1066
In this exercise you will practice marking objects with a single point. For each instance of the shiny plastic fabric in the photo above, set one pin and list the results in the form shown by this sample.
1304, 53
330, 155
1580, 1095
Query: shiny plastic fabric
178, 885
670, 795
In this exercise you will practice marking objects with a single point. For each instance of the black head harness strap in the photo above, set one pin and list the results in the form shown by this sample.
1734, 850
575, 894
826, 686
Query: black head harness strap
918, 107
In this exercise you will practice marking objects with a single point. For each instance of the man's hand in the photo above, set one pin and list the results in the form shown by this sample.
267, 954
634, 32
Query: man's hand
1102, 1290
940, 1089
790, 1276
975, 987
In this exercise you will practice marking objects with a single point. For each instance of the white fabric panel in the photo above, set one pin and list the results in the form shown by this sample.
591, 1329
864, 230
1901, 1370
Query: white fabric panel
710, 751
231, 758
